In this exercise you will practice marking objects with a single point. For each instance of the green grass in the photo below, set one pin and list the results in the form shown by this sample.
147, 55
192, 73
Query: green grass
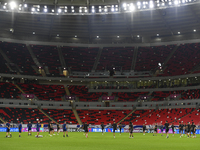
97, 141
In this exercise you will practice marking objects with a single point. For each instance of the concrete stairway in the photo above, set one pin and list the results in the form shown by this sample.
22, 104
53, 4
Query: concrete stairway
127, 116
47, 115
77, 116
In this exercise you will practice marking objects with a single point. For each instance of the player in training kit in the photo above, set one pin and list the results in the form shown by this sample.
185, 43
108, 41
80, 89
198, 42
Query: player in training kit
29, 125
161, 129
114, 125
65, 132
8, 129
193, 130
102, 127
120, 128
58, 128
20, 129
167, 129
51, 129
188, 129
131, 129
185, 129
155, 129
172, 126
85, 126
38, 128
144, 128
180, 129
49, 126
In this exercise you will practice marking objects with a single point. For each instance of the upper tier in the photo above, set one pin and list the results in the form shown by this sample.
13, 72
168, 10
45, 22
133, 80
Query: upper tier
175, 60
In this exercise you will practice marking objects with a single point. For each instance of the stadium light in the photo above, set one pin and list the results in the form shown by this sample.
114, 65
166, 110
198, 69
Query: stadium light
157, 34
57, 34
13, 5
38, 9
176, 2
179, 32
118, 36
75, 36
97, 36
52, 10
194, 30
124, 5
138, 36
33, 9
45, 10
25, 5
131, 7
59, 10
151, 4
33, 32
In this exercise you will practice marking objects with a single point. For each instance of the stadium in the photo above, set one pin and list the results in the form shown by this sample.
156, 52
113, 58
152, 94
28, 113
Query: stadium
86, 74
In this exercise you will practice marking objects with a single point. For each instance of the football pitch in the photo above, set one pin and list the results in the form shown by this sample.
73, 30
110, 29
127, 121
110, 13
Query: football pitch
97, 141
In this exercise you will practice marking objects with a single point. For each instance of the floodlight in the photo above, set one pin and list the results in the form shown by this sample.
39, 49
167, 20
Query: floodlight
25, 5
131, 7
176, 2
45, 10
33, 9
13, 5
59, 10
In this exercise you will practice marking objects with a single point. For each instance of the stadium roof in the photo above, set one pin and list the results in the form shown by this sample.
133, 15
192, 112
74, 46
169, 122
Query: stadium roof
151, 25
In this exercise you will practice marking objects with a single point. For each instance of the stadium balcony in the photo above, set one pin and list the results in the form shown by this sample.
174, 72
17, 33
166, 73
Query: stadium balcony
183, 60
82, 93
49, 58
149, 57
61, 115
160, 116
132, 96
116, 57
44, 92
79, 58
99, 116
9, 90
17, 115
19, 55
192, 117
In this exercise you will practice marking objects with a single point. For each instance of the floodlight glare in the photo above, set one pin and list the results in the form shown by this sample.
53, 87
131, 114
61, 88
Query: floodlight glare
99, 10
105, 9
25, 5
183, 1
131, 7
38, 9
52, 10
80, 10
4, 7
157, 34
85, 10
20, 8
13, 5
138, 3
179, 32
33, 9
59, 10
151, 4
72, 10
176, 2
45, 10
116, 9
112, 9
194, 30
65, 10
